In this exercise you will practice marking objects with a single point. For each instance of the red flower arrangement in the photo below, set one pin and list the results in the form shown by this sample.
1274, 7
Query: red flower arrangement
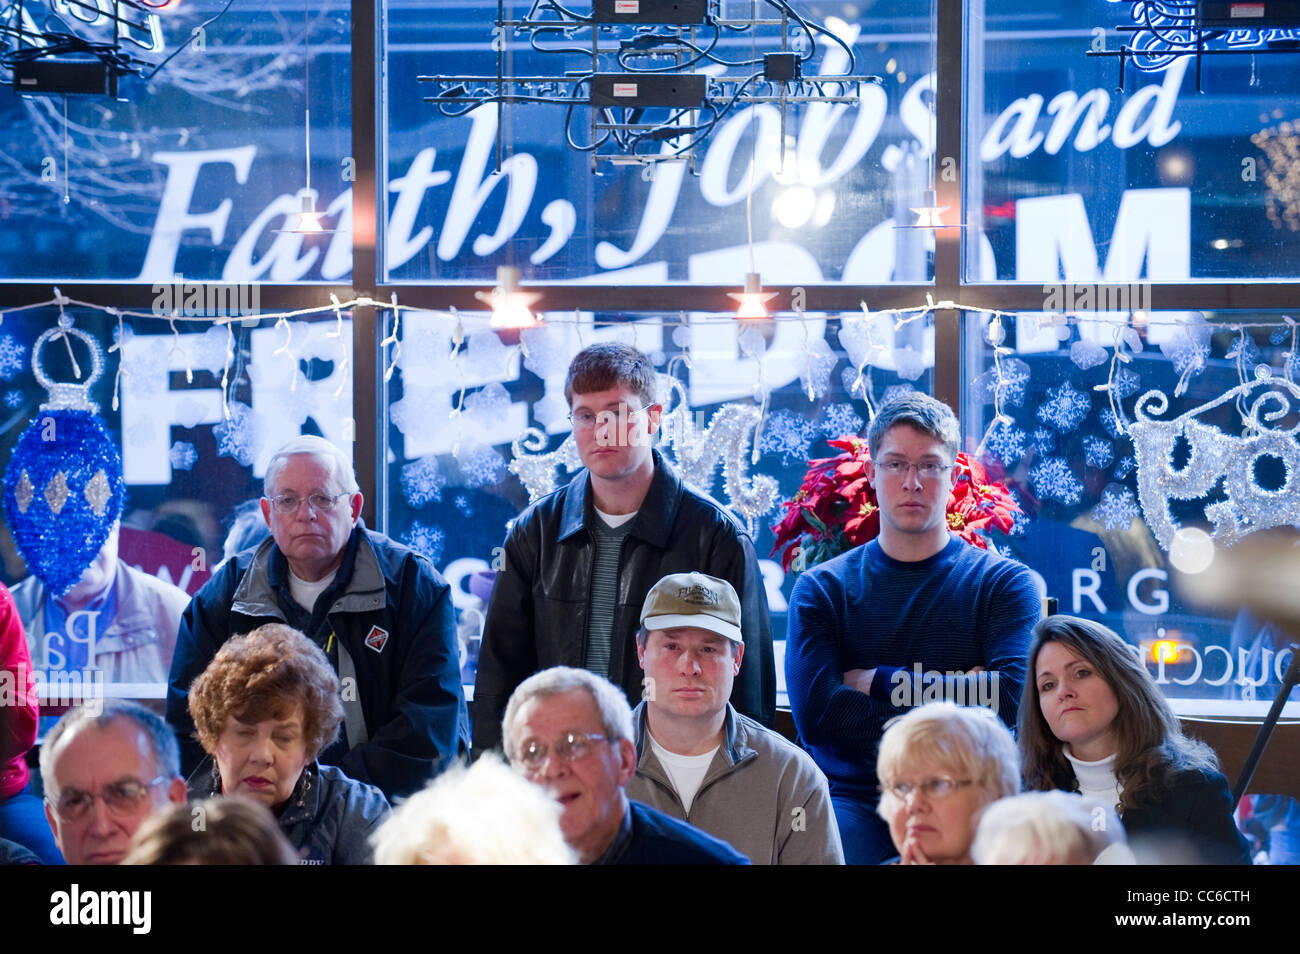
836, 509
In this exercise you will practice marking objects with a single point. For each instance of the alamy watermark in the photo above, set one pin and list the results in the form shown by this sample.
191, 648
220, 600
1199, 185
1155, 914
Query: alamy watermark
1135, 296
52, 687
207, 299
918, 687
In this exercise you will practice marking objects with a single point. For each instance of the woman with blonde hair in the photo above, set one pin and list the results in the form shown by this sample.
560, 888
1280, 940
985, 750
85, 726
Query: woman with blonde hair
939, 766
1092, 720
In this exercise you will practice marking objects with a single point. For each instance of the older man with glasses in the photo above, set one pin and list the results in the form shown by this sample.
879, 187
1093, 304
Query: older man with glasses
570, 731
106, 769
381, 612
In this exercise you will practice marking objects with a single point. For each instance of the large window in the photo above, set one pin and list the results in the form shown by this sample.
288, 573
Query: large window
198, 169
1121, 445
478, 427
461, 200
193, 412
1073, 178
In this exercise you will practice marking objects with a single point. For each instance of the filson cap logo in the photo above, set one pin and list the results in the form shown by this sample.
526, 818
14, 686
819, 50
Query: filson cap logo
377, 638
693, 601
700, 595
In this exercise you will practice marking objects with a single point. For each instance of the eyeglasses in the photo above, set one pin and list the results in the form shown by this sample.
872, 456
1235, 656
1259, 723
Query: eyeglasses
571, 747
899, 468
937, 788
585, 420
121, 798
286, 504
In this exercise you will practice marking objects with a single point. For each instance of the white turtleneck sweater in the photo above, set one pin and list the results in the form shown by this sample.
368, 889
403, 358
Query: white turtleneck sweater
1096, 779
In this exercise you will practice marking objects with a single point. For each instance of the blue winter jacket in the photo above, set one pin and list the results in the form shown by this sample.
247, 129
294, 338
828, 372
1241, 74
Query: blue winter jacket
394, 646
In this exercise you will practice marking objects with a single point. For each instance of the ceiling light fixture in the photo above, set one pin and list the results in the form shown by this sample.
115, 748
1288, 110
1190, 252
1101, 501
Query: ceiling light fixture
307, 221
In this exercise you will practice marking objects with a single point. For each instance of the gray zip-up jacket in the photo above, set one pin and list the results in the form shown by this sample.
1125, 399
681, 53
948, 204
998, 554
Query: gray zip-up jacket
761, 794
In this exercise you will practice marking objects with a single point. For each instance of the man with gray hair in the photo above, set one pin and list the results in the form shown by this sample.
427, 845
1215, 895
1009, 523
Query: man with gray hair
381, 612
570, 731
105, 769
913, 616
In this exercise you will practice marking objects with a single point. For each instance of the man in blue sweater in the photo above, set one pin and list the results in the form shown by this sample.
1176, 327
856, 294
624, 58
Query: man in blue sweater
914, 616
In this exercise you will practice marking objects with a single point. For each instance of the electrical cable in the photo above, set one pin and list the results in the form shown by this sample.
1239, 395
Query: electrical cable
193, 33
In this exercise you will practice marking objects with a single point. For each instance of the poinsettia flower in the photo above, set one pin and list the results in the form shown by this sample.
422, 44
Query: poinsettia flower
836, 507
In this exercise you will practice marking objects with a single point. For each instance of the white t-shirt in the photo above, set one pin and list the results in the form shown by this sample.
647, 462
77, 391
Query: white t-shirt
304, 593
1096, 779
615, 519
686, 772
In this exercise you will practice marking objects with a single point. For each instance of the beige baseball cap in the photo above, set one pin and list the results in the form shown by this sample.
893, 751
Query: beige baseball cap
695, 600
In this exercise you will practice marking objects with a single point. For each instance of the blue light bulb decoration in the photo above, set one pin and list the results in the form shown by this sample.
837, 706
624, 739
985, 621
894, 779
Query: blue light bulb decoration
63, 488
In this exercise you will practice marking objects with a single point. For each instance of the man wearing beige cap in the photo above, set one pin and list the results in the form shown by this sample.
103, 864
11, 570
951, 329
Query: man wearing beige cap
701, 761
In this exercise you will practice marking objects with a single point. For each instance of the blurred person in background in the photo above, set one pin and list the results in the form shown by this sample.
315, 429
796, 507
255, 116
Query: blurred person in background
21, 819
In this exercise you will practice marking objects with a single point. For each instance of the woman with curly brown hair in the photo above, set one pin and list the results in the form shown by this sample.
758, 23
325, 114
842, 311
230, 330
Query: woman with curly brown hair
1092, 720
264, 708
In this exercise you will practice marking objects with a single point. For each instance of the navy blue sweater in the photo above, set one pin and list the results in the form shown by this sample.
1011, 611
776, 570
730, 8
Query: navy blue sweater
658, 839
962, 607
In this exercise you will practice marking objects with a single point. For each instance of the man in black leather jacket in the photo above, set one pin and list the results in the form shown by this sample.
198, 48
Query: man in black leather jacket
579, 561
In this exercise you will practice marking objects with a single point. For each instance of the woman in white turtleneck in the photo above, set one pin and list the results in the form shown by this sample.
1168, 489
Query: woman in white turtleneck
1092, 720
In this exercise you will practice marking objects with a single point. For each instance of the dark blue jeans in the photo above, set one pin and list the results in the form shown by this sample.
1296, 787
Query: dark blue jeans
22, 819
864, 833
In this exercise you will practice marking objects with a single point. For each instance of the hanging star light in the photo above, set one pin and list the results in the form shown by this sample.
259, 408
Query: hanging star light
930, 215
511, 305
753, 300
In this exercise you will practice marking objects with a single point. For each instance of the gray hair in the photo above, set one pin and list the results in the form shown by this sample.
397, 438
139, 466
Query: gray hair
920, 411
340, 467
615, 713
162, 740
1045, 828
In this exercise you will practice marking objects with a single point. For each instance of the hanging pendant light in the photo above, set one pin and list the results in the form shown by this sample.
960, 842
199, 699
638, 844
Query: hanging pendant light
307, 220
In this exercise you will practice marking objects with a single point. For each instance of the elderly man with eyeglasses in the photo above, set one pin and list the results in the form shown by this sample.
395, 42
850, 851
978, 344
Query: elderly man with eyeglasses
913, 616
570, 731
381, 612
105, 770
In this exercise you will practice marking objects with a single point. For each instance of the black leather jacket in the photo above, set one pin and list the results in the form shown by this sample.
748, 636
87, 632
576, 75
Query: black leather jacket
537, 617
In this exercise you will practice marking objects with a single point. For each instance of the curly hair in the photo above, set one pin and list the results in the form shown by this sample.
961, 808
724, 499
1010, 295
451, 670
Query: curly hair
263, 675
1152, 747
